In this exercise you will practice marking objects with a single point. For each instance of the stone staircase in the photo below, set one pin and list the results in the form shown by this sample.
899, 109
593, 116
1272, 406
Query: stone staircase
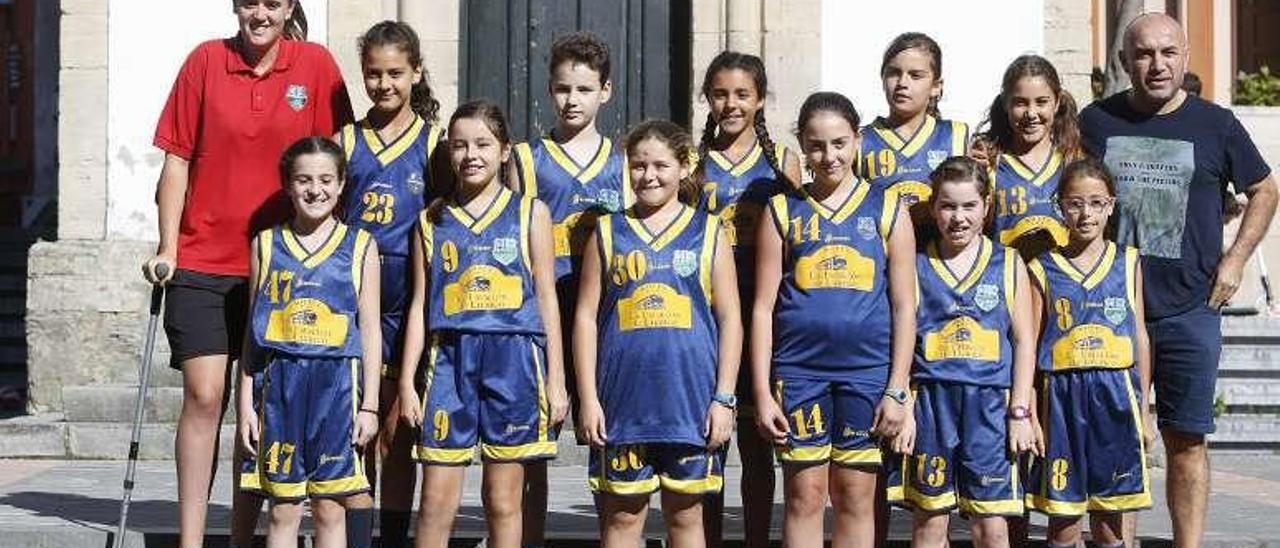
1248, 395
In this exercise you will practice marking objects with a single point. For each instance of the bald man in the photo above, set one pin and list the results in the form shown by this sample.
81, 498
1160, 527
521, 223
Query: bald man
1172, 155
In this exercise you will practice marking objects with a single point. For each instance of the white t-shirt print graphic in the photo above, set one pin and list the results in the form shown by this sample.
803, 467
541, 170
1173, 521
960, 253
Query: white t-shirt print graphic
1153, 179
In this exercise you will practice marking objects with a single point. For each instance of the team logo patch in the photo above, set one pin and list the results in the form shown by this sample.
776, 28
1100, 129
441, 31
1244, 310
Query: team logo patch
684, 262
1116, 309
296, 96
504, 250
986, 296
611, 200
415, 183
935, 157
866, 227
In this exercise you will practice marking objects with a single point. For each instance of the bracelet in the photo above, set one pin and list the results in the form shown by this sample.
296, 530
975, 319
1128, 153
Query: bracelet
374, 411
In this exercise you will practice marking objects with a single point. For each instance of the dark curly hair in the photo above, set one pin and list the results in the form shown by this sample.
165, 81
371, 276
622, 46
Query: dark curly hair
581, 47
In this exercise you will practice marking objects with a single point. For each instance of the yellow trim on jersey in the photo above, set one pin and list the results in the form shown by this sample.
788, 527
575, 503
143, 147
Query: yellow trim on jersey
929, 503
265, 244
660, 240
844, 210
780, 153
1031, 176
1099, 270
583, 174
606, 241
736, 170
433, 140
856, 457
1039, 277
975, 272
628, 194
906, 148
707, 261
310, 260
526, 220
600, 484
357, 259
1010, 279
808, 453
528, 173
1130, 277
495, 208
348, 138
959, 138
778, 206
527, 451
889, 213
428, 233
544, 405
710, 484
390, 152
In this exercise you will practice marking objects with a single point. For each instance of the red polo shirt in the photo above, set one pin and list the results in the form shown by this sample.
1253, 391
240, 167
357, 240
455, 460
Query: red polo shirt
232, 126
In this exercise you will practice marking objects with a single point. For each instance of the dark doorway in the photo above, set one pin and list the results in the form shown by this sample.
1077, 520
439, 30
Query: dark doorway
506, 45
1257, 43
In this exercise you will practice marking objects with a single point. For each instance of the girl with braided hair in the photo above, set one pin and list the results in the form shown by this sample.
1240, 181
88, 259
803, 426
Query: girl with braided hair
740, 168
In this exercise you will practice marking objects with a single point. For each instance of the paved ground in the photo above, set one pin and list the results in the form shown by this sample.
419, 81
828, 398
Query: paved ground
76, 503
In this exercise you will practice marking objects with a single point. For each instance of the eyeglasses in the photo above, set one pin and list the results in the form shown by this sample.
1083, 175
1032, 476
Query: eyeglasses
1076, 206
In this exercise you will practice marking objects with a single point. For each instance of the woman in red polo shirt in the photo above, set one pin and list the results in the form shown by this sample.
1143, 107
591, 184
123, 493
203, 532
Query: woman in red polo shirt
236, 105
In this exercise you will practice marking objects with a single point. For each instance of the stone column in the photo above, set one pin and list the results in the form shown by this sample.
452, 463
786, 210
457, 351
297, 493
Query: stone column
1068, 44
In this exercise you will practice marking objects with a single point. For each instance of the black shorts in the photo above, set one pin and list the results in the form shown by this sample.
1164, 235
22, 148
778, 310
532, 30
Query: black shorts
204, 315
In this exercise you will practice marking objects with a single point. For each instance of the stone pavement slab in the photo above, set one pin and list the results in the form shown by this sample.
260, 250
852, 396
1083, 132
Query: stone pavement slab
76, 503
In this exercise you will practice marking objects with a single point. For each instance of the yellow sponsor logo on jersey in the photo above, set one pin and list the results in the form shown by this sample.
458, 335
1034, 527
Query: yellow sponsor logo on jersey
571, 234
913, 192
962, 338
835, 267
740, 221
655, 305
307, 321
1092, 345
483, 287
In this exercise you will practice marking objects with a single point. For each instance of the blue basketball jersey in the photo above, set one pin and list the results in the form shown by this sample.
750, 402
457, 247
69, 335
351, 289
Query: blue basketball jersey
964, 321
389, 182
738, 193
576, 195
832, 312
1024, 199
658, 335
1089, 321
307, 301
478, 268
888, 160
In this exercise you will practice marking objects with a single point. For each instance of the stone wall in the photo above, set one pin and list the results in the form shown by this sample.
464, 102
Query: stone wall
1068, 43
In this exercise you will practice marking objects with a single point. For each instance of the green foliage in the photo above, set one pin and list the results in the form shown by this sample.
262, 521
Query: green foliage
1261, 88
1219, 405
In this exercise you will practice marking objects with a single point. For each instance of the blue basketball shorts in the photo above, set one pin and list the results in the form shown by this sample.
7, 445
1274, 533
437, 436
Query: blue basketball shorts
642, 468
306, 415
830, 420
486, 389
961, 458
1094, 460
395, 288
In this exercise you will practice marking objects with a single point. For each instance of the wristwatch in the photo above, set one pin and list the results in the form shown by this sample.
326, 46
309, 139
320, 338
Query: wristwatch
896, 394
1019, 413
727, 400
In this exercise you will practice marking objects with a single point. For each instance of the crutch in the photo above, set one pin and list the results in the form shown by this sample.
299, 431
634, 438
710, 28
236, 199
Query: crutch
157, 298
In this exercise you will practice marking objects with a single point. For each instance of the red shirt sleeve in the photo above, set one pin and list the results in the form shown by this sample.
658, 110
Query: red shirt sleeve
334, 108
179, 124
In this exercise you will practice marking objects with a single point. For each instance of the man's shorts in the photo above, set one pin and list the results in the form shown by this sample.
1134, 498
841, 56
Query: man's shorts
1094, 455
830, 420
306, 416
1184, 361
961, 457
204, 315
395, 287
642, 468
487, 389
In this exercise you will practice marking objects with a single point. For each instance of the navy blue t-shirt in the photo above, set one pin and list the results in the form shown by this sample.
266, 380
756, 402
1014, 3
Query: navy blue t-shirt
1170, 172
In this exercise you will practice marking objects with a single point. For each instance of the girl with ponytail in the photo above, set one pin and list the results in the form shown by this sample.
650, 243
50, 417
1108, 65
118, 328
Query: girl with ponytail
740, 168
